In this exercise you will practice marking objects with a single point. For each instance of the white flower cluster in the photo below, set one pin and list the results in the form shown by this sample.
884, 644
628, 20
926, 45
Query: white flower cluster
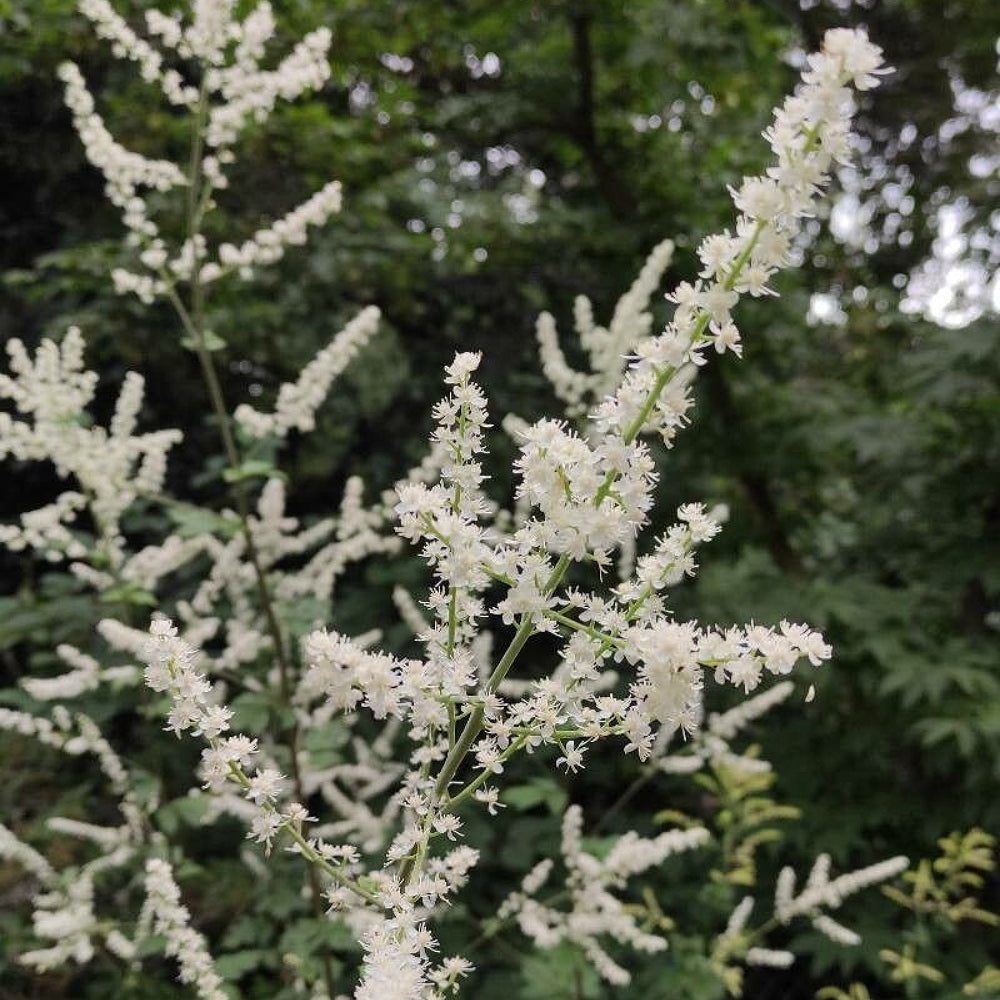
627, 667
13, 849
398, 940
592, 495
172, 920
64, 912
594, 910
59, 732
248, 92
53, 390
710, 744
46, 530
397, 966
125, 173
267, 246
86, 674
726, 725
348, 675
233, 90
126, 44
583, 498
608, 352
171, 668
607, 348
820, 893
112, 466
224, 605
563, 478
298, 401
809, 135
64, 916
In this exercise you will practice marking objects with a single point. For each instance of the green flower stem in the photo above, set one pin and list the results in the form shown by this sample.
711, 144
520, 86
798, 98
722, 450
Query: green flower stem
525, 630
594, 633
194, 325
240, 777
493, 927
456, 800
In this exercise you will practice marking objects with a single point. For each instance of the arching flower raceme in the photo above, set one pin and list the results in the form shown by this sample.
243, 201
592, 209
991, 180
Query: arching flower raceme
386, 849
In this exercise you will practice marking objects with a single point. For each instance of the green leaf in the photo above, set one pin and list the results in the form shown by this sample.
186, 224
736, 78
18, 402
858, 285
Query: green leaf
560, 973
535, 793
153, 944
209, 341
238, 963
301, 616
194, 521
251, 711
252, 469
182, 812
128, 593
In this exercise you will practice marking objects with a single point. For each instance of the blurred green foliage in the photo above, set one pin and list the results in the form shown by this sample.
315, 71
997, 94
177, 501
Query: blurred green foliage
860, 460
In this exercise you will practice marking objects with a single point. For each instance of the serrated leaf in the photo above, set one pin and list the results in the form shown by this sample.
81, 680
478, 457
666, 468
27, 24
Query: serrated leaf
192, 522
238, 963
187, 811
251, 711
535, 793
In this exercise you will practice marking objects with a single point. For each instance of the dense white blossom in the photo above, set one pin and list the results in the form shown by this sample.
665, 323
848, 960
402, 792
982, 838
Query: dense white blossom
13, 849
172, 920
171, 666
607, 348
298, 401
594, 909
808, 137
229, 89
125, 173
126, 44
74, 734
822, 892
112, 466
628, 668
393, 967
64, 917
581, 497
86, 674
268, 246
771, 957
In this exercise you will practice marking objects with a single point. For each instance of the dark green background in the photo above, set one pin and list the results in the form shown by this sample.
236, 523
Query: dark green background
861, 462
